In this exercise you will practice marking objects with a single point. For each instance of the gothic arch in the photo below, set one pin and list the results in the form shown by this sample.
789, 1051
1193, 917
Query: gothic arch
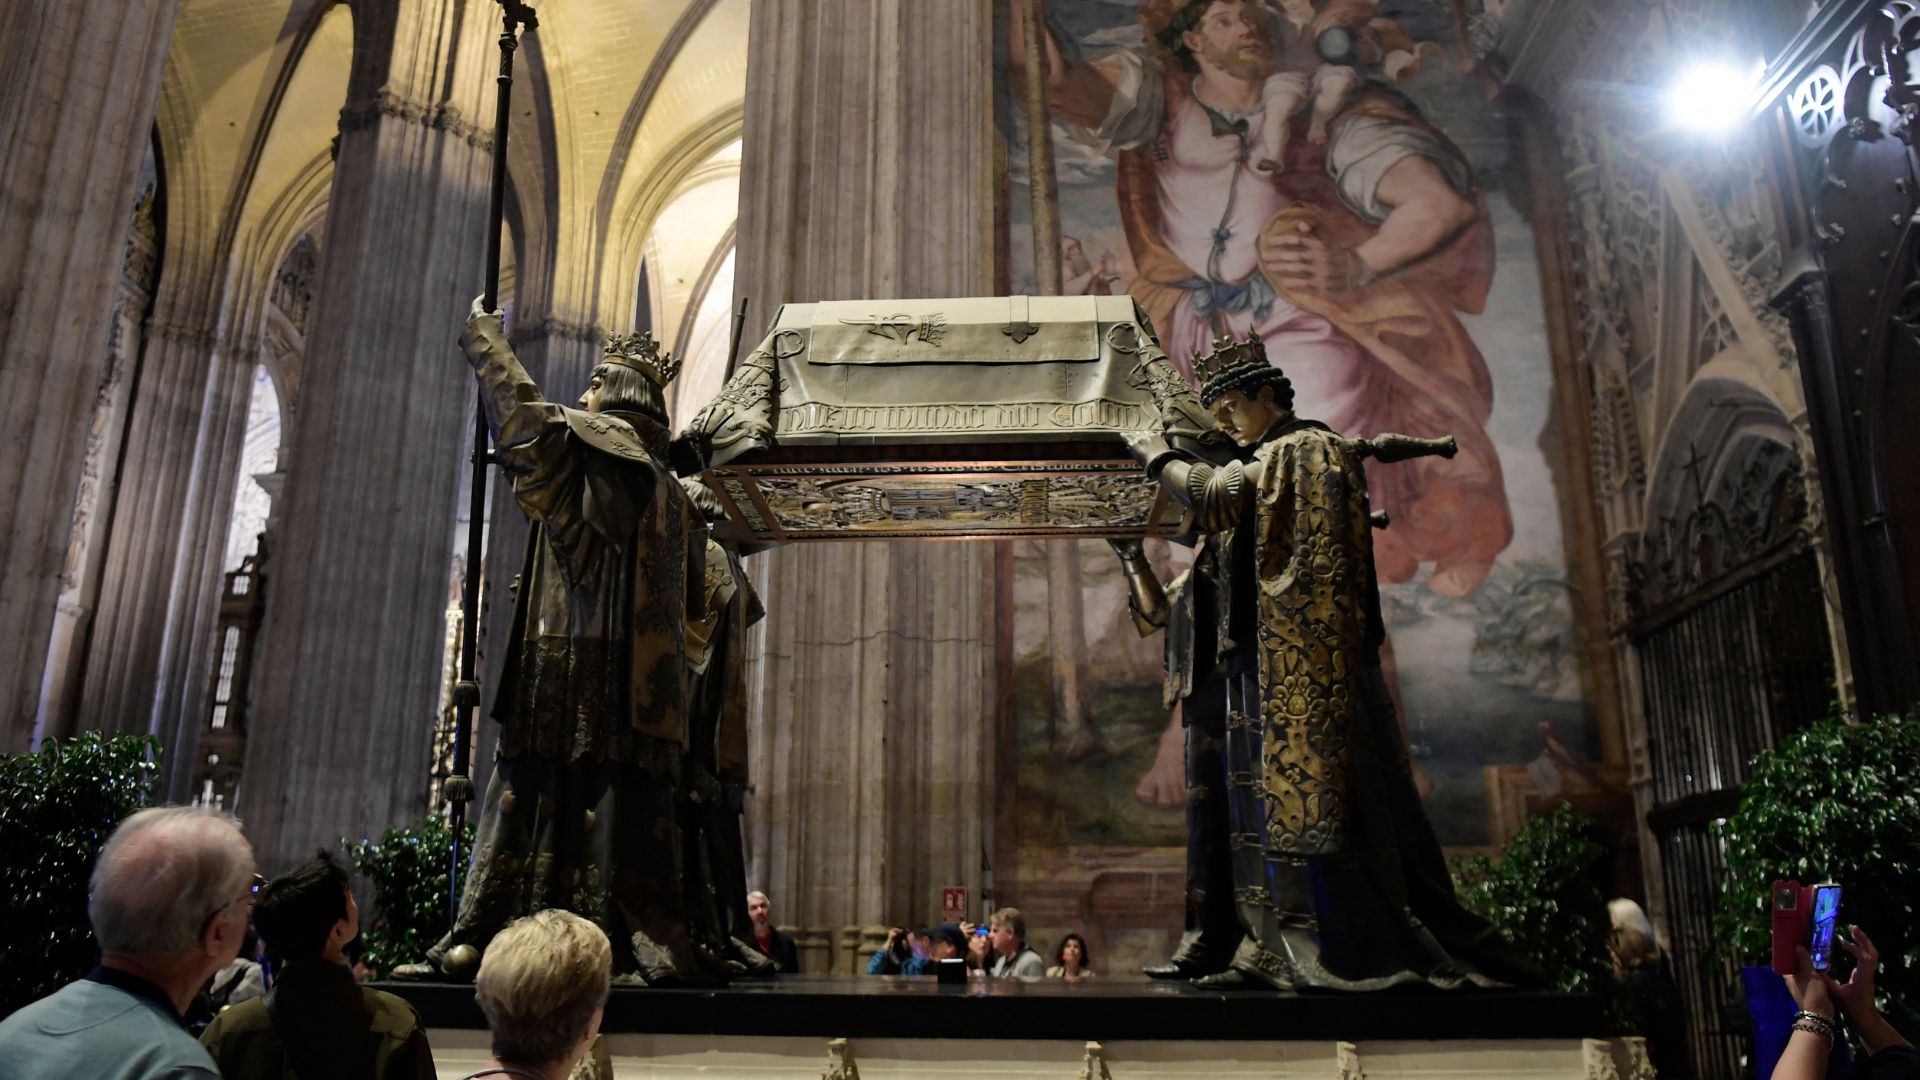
694, 154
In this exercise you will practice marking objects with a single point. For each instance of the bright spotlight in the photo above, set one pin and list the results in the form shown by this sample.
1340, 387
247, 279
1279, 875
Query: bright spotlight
1710, 97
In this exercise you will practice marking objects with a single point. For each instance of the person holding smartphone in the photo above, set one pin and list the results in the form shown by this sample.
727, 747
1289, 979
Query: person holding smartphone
905, 953
1820, 996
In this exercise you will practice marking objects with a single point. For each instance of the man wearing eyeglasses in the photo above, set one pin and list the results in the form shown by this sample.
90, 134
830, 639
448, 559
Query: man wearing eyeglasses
169, 902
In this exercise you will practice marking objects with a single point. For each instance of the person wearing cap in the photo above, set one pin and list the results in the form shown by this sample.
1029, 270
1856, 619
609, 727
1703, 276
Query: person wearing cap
1339, 879
580, 813
905, 953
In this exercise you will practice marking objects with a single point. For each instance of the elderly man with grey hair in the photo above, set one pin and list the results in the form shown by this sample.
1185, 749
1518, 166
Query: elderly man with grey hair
169, 901
776, 944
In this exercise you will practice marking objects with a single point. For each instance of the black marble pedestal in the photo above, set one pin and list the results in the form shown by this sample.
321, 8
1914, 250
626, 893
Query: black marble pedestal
1103, 1009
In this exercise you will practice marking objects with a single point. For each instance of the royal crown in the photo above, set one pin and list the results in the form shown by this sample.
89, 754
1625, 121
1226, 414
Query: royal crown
643, 354
1230, 357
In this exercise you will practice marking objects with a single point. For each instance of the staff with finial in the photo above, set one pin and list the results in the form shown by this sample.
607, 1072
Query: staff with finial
466, 692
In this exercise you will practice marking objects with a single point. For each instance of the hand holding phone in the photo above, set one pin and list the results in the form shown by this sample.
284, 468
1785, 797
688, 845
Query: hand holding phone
1826, 915
1804, 916
1792, 922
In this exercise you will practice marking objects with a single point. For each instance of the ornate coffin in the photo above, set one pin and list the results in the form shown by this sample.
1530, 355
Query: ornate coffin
952, 419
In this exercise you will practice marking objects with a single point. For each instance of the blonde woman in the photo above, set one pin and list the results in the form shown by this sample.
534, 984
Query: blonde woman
543, 985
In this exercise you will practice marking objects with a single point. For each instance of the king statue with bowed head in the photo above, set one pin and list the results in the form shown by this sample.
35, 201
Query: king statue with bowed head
1337, 877
580, 811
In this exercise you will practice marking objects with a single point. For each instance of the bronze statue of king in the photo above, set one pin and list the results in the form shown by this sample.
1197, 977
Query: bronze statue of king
580, 812
1337, 877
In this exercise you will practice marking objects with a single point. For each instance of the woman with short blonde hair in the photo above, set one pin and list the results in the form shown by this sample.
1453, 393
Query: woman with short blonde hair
543, 984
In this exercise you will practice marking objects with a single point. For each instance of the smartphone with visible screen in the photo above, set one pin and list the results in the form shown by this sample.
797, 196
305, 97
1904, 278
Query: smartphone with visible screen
1826, 915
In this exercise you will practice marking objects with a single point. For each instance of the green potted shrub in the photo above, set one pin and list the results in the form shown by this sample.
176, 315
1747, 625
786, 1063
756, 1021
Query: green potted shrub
1835, 802
1543, 894
408, 869
57, 806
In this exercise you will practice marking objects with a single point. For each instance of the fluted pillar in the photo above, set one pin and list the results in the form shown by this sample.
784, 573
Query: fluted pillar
76, 111
868, 173
149, 657
346, 690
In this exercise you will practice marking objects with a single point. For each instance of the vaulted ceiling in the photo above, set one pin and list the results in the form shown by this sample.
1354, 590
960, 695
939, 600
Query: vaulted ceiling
620, 107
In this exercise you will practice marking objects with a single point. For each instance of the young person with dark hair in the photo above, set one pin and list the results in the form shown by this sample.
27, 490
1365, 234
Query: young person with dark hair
316, 1014
1070, 960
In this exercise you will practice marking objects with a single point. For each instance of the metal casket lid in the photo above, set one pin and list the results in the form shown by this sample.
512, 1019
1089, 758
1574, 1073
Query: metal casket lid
905, 372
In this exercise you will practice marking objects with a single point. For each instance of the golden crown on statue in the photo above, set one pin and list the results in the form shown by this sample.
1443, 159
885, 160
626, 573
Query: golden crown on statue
1230, 356
643, 354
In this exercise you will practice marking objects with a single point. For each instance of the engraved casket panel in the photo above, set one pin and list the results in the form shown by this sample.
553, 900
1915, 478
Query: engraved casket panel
959, 418
950, 500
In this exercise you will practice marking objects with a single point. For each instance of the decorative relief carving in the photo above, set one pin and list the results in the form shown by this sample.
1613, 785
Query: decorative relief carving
142, 262
1712, 327
744, 410
749, 510
963, 500
295, 282
1731, 195
1757, 507
1815, 106
1105, 414
439, 117
904, 328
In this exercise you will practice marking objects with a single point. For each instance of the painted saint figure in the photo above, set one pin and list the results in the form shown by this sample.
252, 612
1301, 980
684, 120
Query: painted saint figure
580, 813
1349, 235
1338, 877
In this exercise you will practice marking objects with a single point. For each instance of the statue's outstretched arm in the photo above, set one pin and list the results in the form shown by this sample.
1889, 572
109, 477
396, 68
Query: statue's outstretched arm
504, 384
1217, 495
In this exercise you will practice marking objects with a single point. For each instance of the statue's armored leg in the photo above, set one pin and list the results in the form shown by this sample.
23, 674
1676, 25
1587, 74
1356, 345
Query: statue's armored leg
1211, 928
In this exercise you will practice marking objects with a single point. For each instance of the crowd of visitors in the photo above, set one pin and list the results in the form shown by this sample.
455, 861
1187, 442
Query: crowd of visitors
998, 950
176, 904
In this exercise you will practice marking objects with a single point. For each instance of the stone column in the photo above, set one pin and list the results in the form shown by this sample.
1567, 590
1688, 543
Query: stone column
76, 111
868, 172
348, 684
149, 658
162, 450
94, 504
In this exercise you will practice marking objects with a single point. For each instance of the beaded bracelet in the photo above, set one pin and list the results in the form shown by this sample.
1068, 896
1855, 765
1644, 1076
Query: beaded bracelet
1813, 1029
1816, 1023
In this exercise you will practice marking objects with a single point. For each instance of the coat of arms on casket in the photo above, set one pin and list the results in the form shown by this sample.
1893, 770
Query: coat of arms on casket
977, 417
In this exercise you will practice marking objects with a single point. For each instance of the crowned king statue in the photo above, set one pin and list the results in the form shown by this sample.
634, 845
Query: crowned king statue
1336, 875
592, 699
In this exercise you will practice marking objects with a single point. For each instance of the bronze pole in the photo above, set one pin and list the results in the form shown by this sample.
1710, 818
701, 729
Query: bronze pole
466, 692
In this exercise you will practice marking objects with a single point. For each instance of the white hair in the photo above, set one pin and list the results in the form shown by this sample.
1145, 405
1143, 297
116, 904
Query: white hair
539, 984
760, 896
1628, 915
162, 874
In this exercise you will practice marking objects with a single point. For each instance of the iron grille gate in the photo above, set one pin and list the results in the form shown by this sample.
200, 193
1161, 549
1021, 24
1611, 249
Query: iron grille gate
1727, 672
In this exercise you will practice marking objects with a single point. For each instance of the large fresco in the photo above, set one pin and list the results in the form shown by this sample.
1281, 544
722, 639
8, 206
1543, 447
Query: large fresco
1335, 176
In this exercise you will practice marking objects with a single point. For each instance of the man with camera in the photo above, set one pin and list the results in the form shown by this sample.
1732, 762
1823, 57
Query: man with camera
905, 953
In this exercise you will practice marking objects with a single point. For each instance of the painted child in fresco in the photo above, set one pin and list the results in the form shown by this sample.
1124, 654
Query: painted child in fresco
1353, 260
1320, 66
